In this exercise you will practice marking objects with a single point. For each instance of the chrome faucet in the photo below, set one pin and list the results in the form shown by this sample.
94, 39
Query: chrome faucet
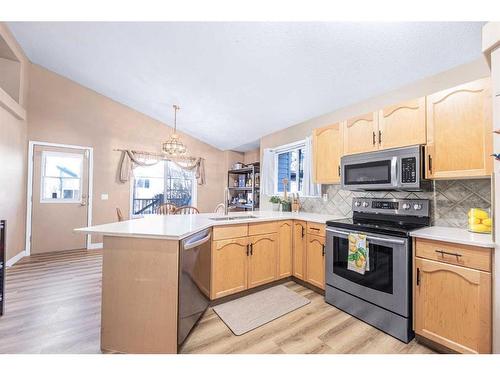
226, 201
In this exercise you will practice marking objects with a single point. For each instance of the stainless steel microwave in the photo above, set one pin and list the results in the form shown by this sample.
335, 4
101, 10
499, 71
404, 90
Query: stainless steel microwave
394, 169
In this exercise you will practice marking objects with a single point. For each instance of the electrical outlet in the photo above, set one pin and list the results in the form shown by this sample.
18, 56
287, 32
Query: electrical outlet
104, 197
325, 197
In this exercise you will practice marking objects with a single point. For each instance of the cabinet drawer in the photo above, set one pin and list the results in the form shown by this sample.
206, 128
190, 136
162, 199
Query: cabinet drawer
230, 231
316, 228
263, 228
463, 255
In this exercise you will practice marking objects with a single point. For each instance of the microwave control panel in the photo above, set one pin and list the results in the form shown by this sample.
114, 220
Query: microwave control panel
409, 170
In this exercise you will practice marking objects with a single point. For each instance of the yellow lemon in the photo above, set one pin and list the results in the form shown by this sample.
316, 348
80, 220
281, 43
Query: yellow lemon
480, 228
477, 212
359, 262
486, 222
474, 220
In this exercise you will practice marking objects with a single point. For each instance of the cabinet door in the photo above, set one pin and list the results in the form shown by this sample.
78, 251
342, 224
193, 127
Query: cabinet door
315, 261
285, 242
459, 131
263, 260
453, 306
229, 267
360, 134
299, 248
402, 124
327, 150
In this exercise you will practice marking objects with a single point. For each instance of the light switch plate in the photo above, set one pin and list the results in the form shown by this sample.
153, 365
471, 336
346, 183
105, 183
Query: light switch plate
104, 197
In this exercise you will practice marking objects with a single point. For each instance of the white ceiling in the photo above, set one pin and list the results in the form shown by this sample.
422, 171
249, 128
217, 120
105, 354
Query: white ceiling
236, 82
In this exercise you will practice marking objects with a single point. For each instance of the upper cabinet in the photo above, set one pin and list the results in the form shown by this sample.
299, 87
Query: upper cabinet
459, 131
327, 146
360, 134
402, 124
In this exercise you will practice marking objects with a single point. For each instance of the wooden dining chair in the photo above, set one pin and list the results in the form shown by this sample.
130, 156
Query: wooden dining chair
120, 214
220, 208
186, 210
165, 209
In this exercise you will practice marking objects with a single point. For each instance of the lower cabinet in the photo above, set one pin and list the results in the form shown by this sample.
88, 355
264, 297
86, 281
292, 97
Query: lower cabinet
453, 306
299, 249
285, 252
229, 267
242, 263
263, 258
315, 261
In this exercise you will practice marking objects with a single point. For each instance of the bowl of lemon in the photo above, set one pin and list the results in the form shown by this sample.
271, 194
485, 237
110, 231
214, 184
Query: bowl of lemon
479, 221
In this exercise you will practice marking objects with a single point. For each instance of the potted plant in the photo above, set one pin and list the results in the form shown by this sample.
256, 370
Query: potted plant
275, 200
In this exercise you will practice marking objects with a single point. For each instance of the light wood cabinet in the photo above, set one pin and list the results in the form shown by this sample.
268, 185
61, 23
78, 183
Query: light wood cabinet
360, 133
327, 151
229, 267
285, 244
402, 124
262, 262
299, 248
315, 261
459, 131
453, 306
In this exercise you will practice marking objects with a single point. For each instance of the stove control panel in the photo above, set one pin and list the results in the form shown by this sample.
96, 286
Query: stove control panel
408, 207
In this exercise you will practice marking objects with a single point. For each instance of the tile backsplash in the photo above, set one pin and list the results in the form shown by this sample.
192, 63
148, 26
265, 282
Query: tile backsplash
450, 200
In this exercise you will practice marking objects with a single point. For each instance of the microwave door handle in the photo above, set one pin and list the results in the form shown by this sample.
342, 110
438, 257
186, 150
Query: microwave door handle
394, 171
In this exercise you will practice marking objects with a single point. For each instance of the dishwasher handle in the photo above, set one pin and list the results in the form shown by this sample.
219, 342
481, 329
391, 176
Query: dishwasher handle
191, 245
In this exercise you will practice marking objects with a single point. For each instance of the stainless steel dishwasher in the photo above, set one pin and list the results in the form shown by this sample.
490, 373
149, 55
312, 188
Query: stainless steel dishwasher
194, 281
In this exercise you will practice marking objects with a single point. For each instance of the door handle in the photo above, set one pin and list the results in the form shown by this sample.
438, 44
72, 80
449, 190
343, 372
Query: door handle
379, 137
429, 159
251, 249
339, 170
373, 138
302, 231
323, 251
248, 249
418, 276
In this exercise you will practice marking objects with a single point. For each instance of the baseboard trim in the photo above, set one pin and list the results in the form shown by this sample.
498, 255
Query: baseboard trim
16, 258
95, 246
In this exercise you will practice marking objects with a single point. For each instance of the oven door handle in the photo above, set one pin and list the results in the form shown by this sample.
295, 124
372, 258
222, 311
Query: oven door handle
368, 237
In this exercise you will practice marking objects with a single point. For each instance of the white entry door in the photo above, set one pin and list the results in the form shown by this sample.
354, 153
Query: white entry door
59, 198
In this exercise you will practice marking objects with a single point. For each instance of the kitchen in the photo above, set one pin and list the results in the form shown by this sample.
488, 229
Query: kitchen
366, 229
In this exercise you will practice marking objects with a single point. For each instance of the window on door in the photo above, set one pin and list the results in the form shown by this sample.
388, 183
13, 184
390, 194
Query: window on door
290, 166
164, 182
61, 177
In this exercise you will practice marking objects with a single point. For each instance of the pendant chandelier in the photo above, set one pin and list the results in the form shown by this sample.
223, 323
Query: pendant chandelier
174, 146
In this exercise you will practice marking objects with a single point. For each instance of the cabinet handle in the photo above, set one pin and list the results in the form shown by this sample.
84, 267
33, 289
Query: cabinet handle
418, 276
429, 159
251, 249
339, 170
323, 251
248, 249
379, 137
303, 231
373, 138
447, 253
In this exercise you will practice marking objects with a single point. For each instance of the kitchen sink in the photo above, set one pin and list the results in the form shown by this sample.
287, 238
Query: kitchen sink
222, 218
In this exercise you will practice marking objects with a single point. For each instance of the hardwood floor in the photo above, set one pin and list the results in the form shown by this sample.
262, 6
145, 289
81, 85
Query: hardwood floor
53, 304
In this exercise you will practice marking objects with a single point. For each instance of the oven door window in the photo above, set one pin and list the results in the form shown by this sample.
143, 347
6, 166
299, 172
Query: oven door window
376, 172
380, 275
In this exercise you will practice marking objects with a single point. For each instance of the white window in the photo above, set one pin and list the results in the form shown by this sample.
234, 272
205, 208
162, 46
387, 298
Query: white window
164, 182
289, 165
61, 177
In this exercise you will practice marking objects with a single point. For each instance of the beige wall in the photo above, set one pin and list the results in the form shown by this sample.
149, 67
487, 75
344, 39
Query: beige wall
13, 156
461, 74
61, 111
252, 156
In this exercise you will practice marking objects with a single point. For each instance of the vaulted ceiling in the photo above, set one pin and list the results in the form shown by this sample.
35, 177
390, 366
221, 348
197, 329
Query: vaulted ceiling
237, 82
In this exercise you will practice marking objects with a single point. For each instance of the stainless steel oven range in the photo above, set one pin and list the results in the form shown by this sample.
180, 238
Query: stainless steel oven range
381, 296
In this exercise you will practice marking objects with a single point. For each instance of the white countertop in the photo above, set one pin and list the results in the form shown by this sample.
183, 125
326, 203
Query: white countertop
177, 227
455, 235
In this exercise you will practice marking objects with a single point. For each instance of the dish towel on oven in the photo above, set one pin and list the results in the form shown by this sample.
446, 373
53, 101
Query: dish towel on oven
359, 253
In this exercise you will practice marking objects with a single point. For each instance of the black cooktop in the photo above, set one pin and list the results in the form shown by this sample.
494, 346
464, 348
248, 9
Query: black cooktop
382, 224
